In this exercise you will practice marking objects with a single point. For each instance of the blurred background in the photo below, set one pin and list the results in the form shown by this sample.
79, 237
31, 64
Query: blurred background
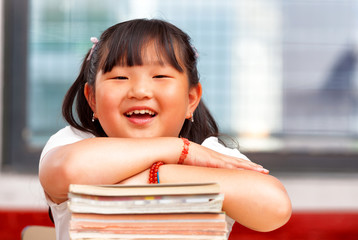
278, 75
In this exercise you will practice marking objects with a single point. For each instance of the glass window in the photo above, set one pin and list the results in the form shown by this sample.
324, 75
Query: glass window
278, 75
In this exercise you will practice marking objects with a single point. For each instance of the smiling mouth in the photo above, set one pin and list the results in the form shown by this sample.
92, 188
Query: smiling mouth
140, 114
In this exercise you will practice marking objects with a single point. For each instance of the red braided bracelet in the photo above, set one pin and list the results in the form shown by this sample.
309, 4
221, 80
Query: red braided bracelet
154, 173
185, 151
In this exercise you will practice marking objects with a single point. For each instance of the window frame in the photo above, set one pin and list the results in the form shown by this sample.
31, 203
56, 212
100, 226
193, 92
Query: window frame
17, 155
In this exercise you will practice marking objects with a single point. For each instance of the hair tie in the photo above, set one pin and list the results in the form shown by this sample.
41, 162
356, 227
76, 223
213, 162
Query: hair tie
94, 40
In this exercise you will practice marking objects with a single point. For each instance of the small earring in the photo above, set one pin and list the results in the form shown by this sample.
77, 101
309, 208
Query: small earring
93, 118
191, 117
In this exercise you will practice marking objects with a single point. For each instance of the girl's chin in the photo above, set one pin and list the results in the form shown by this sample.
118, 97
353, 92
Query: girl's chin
136, 134
139, 134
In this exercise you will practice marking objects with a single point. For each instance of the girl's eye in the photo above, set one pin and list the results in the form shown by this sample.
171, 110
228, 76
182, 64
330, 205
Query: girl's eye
161, 76
120, 78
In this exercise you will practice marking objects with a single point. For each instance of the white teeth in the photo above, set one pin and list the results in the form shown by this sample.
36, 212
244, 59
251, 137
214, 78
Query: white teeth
140, 112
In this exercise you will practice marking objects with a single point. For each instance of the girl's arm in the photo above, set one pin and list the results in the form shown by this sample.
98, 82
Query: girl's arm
253, 199
111, 160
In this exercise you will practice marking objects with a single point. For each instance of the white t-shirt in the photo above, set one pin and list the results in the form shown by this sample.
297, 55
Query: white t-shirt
68, 135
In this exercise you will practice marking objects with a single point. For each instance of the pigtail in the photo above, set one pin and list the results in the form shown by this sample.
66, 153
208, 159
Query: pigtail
72, 95
75, 99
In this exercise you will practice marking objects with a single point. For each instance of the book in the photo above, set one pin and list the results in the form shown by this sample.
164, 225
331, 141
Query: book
146, 204
144, 217
160, 224
145, 190
161, 211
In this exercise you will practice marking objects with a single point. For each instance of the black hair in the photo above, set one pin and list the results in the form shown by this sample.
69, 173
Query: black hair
122, 44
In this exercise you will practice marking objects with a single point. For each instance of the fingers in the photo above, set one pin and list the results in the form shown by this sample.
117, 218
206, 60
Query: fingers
257, 168
202, 156
244, 164
219, 160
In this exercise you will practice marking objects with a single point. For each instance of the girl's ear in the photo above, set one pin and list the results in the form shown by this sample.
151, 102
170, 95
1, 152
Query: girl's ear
89, 94
194, 99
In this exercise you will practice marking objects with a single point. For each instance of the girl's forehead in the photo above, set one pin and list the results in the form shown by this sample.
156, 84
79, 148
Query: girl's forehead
155, 54
151, 54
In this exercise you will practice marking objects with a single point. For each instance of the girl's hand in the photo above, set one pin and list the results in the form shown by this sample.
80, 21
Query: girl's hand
202, 156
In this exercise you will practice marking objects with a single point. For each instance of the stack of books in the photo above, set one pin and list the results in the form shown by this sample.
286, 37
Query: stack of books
161, 211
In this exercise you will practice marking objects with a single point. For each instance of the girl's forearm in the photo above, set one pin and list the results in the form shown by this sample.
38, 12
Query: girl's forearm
102, 161
253, 199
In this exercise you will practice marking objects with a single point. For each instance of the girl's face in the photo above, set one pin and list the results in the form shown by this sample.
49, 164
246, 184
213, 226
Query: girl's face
151, 100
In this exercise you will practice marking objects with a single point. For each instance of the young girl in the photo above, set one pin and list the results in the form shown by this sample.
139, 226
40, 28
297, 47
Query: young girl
137, 102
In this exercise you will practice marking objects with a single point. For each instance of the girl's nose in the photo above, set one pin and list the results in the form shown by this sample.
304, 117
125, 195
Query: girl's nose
140, 89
